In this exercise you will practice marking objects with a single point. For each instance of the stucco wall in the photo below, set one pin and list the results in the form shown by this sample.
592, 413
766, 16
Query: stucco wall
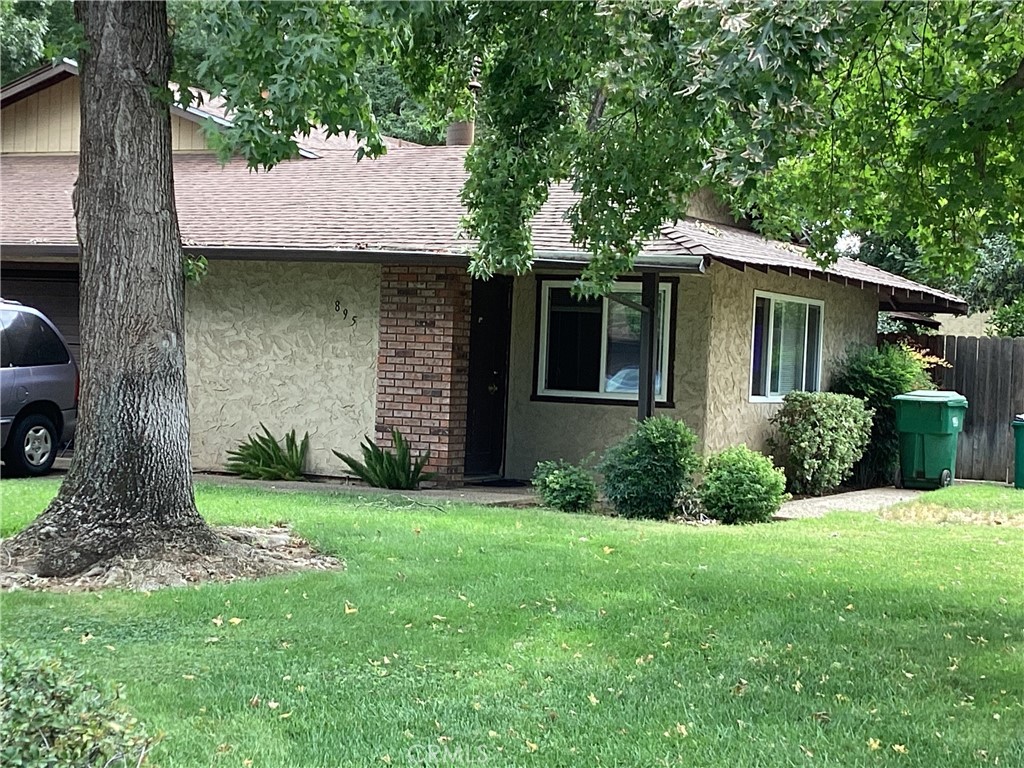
266, 344
539, 431
850, 317
49, 122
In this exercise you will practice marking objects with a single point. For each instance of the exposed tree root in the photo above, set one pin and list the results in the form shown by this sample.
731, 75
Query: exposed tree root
239, 553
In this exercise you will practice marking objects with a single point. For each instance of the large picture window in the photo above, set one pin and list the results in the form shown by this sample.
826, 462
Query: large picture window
591, 347
786, 352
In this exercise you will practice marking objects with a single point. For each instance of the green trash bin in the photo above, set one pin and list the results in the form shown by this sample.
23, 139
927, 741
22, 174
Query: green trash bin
929, 423
1018, 459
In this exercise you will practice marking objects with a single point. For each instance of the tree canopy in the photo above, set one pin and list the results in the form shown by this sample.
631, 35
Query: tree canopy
900, 118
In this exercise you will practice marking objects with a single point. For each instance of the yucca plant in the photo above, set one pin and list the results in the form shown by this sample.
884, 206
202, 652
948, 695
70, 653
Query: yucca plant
395, 470
261, 457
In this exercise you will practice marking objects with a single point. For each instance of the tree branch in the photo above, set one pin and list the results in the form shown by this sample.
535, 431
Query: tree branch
1014, 82
596, 109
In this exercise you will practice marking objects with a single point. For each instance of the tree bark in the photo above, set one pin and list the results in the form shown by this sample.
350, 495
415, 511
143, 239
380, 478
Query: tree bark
129, 489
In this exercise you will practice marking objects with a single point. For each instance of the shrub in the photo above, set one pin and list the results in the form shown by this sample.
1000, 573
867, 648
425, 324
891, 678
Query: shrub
820, 435
742, 486
395, 470
261, 457
564, 486
645, 472
51, 716
876, 376
1007, 320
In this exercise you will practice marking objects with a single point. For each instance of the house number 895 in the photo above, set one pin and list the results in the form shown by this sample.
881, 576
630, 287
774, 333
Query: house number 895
344, 312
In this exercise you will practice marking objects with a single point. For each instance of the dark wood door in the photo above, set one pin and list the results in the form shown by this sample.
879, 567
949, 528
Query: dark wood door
491, 318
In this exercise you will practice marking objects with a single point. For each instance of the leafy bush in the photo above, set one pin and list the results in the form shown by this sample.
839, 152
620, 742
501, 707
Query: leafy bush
564, 486
1007, 320
820, 435
645, 472
396, 470
261, 457
51, 716
742, 486
876, 376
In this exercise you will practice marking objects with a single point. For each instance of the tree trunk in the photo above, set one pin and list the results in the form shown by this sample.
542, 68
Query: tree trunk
129, 489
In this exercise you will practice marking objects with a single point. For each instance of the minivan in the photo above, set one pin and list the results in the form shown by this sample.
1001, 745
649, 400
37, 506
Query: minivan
38, 390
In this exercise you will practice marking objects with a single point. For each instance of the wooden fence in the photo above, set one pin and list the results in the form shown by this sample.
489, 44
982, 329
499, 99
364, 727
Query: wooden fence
989, 372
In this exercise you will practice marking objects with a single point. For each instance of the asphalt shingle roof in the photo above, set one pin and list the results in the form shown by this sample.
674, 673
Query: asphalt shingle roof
407, 201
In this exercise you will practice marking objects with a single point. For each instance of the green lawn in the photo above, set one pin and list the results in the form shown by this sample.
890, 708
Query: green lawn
525, 637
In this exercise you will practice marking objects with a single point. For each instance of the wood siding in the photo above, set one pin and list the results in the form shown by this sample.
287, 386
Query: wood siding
48, 122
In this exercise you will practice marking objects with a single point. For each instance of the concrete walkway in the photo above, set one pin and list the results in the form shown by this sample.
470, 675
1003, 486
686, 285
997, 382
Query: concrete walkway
869, 500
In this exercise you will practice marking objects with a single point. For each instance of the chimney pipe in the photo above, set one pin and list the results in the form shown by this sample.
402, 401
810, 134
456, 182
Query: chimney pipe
460, 133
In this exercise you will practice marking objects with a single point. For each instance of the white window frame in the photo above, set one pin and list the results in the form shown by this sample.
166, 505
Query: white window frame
664, 291
767, 353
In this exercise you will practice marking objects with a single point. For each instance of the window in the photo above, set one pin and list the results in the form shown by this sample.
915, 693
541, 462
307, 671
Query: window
26, 340
786, 351
591, 347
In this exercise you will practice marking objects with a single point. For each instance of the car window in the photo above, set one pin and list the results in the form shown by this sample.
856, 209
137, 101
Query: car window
28, 340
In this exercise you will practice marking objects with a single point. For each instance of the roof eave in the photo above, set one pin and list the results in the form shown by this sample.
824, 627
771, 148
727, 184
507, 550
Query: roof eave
37, 80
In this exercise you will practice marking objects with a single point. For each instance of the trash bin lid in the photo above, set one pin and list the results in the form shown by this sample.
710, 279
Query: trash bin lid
948, 397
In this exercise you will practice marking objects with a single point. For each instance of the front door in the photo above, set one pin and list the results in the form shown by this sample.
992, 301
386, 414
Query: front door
491, 316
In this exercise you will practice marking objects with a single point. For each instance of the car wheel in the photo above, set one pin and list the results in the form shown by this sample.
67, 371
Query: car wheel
31, 446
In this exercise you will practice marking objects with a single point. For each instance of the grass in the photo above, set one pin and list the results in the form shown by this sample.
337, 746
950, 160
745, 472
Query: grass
526, 637
979, 503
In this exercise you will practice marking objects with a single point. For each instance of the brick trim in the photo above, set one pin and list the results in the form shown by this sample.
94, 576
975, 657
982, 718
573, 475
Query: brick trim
423, 363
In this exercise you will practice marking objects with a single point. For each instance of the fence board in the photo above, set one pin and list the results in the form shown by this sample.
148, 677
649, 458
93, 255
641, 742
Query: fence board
982, 447
964, 368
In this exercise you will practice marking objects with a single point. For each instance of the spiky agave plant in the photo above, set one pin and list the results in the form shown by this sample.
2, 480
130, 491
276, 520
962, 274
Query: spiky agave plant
261, 457
395, 470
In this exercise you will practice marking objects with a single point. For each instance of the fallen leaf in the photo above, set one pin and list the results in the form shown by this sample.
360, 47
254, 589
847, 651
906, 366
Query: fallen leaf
273, 704
874, 744
608, 550
592, 699
899, 749
350, 609
217, 620
188, 677
285, 715
234, 621
530, 746
85, 638
806, 751
255, 700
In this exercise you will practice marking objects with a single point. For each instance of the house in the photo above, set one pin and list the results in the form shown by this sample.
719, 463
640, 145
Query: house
338, 302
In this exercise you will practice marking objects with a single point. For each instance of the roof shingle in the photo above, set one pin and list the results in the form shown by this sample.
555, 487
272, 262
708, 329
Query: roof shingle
406, 201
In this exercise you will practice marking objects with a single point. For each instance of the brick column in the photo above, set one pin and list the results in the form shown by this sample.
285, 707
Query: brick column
423, 363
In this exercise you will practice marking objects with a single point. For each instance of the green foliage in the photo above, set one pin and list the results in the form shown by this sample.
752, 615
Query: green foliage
396, 469
644, 473
819, 437
876, 375
261, 457
564, 486
51, 716
996, 276
742, 486
1007, 320
194, 268
920, 105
